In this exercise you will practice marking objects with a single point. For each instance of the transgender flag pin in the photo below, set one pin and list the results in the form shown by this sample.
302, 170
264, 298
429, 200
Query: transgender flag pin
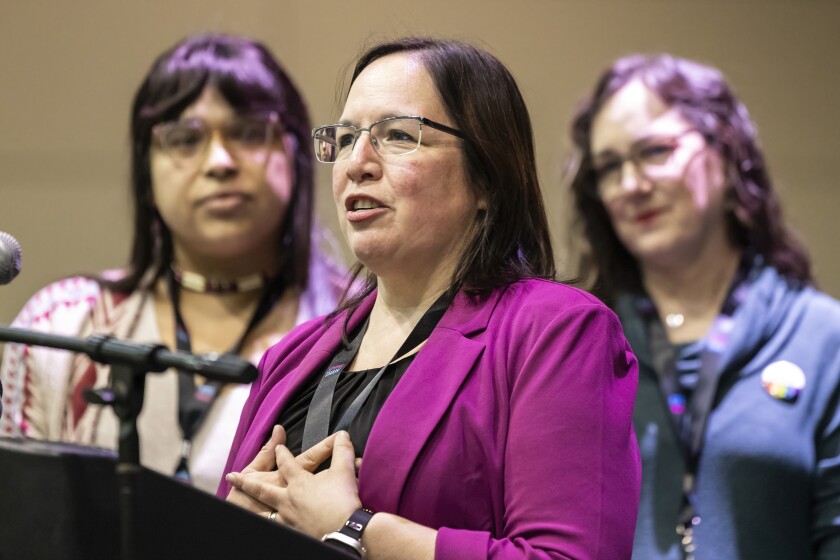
783, 380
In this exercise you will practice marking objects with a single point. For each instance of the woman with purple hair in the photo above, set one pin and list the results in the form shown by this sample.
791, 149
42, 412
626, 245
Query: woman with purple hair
739, 356
225, 257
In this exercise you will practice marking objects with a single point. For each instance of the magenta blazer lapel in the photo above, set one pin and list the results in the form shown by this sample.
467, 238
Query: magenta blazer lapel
284, 379
421, 399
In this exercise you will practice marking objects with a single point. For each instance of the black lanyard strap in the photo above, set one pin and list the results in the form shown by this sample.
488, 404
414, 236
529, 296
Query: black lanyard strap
317, 424
194, 402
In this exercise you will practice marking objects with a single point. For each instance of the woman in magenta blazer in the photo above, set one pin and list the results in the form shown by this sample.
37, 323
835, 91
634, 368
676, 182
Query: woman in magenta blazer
486, 407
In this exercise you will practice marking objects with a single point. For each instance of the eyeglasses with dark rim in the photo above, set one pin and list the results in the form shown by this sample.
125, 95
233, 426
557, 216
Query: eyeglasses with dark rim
188, 139
650, 156
392, 136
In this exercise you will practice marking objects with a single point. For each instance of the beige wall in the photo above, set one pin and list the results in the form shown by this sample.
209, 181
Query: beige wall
69, 69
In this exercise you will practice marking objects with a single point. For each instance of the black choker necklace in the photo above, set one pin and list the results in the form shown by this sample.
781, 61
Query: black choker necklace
197, 283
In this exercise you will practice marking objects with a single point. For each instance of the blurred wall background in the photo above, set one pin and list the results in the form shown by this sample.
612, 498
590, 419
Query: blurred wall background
68, 71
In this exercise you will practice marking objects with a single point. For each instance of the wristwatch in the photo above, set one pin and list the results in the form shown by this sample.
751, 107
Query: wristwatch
350, 535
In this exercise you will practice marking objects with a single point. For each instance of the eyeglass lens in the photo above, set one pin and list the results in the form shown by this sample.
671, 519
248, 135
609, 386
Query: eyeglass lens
190, 138
394, 136
650, 157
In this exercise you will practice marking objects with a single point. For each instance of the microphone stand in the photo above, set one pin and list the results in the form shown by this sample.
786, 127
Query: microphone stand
129, 365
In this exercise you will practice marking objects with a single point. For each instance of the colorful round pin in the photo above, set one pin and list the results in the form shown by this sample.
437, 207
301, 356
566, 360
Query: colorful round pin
783, 380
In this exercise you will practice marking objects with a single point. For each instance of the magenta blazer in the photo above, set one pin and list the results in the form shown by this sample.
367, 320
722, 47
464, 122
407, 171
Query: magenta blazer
510, 433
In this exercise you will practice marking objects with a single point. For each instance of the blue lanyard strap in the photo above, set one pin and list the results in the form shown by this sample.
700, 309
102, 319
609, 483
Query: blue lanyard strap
702, 398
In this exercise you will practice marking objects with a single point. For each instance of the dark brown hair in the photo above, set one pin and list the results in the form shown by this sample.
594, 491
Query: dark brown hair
701, 95
511, 240
251, 80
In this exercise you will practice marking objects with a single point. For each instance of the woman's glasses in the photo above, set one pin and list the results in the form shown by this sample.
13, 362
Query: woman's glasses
394, 136
187, 140
650, 156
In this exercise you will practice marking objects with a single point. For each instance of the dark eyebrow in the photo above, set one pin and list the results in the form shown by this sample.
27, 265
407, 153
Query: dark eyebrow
382, 117
391, 116
604, 154
636, 142
260, 114
187, 120
649, 137
237, 117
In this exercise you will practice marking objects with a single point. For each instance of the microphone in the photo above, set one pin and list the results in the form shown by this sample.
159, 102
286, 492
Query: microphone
142, 358
9, 258
9, 268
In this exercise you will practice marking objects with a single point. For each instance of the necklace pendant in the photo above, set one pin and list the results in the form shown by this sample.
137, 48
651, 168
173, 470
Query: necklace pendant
674, 320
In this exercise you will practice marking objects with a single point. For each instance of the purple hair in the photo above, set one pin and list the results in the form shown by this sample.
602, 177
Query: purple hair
702, 96
249, 78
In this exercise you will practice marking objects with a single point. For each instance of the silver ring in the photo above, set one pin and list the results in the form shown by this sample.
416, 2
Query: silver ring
272, 516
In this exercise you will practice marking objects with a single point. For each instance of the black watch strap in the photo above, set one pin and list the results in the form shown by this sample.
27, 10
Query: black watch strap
350, 535
356, 525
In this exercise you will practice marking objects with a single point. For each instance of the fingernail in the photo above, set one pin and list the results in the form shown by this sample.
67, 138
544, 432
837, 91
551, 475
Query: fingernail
342, 436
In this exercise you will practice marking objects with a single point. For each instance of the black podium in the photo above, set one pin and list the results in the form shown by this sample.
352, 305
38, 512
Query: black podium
60, 501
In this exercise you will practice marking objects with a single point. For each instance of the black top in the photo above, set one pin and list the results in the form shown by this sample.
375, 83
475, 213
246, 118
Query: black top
350, 384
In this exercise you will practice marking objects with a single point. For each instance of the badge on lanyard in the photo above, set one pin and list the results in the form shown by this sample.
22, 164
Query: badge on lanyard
783, 380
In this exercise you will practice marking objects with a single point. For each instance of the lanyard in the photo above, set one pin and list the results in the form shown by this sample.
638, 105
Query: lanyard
317, 425
702, 398
194, 402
